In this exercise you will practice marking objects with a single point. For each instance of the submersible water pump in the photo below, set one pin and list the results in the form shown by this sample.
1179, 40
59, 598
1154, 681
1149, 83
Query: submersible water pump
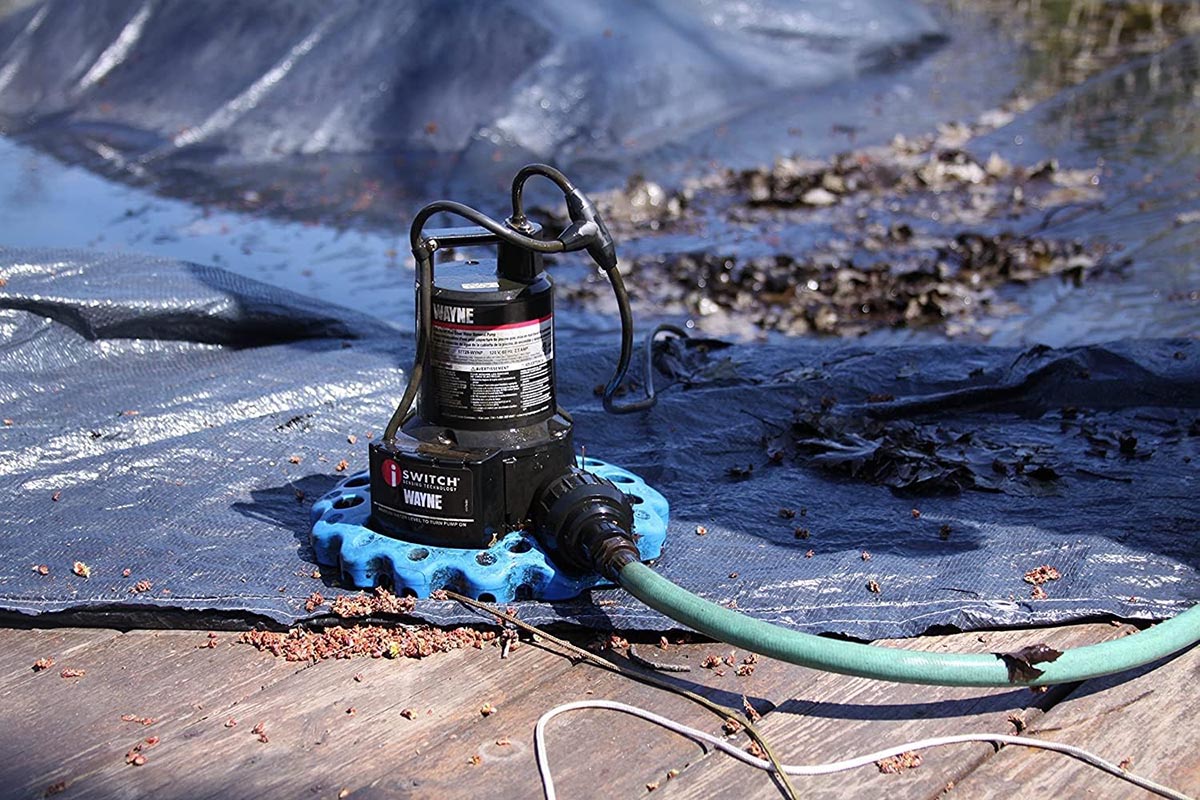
479, 455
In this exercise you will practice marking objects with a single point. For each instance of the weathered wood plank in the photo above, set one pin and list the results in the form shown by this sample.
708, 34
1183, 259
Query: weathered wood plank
596, 753
70, 730
833, 717
1149, 718
65, 729
20, 648
316, 747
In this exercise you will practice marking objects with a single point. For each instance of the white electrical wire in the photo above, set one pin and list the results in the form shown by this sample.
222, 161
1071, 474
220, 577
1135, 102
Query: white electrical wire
543, 760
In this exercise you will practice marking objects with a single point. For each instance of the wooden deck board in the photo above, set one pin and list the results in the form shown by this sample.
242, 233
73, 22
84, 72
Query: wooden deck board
1150, 719
20, 648
315, 747
597, 749
70, 730
835, 717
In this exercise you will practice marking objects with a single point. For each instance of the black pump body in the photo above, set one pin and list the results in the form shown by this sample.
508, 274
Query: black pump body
487, 434
478, 445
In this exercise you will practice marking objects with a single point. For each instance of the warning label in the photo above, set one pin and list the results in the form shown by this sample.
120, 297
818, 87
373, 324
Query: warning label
494, 372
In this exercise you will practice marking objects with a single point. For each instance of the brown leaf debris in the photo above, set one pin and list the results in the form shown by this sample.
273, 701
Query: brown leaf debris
365, 640
1042, 574
362, 605
897, 764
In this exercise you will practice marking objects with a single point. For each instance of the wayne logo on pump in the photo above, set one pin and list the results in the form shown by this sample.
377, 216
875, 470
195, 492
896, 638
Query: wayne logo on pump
430, 492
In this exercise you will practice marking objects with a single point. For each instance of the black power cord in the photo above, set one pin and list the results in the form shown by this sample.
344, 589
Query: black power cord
527, 172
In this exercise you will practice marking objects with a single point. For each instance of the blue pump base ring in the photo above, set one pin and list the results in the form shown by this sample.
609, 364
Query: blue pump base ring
514, 567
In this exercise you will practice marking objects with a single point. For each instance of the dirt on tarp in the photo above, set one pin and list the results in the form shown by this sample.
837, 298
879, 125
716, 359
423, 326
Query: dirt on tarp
944, 282
926, 456
920, 459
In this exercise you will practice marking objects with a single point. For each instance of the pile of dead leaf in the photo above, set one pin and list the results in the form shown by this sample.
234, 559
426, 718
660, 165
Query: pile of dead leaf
914, 457
925, 284
372, 641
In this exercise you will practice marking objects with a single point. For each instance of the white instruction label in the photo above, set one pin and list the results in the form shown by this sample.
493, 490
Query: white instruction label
494, 372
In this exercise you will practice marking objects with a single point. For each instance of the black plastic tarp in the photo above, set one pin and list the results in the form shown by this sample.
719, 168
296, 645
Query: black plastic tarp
141, 82
153, 410
357, 111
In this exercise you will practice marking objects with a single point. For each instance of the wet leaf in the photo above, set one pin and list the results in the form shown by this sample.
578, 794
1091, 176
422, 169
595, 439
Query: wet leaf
1021, 662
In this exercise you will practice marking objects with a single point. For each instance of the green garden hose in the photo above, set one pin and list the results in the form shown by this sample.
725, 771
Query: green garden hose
903, 666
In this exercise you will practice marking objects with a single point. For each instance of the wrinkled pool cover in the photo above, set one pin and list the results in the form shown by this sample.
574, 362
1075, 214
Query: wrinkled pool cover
152, 410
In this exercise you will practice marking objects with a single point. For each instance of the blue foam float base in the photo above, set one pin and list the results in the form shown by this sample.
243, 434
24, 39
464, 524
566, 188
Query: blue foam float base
514, 567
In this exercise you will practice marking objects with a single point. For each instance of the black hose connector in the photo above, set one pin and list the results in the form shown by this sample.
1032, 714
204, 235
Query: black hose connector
587, 522
587, 227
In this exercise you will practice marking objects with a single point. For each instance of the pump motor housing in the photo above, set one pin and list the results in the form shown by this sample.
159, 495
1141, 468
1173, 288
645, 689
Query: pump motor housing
488, 433
478, 446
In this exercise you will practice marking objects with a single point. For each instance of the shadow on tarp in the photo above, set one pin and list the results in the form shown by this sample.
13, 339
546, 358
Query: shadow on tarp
287, 507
